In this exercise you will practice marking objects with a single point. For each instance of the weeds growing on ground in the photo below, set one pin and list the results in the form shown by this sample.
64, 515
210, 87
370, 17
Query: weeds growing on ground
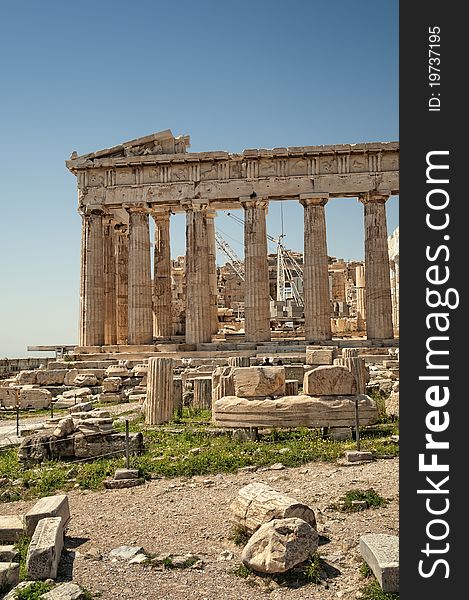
21, 547
170, 452
239, 536
373, 591
356, 500
33, 591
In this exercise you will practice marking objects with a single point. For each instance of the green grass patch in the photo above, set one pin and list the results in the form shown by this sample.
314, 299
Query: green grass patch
380, 400
356, 500
242, 571
91, 475
365, 570
22, 546
33, 591
313, 570
239, 536
373, 591
187, 449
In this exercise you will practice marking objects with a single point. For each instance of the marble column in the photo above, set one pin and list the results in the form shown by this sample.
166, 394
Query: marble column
159, 403
198, 319
122, 282
140, 319
162, 294
317, 306
361, 305
212, 270
394, 274
92, 280
109, 257
378, 285
256, 271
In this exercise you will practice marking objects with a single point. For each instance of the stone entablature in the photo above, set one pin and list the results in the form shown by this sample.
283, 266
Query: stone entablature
110, 177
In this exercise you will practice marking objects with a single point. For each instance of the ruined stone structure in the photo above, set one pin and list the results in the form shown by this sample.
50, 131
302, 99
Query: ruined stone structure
121, 187
393, 249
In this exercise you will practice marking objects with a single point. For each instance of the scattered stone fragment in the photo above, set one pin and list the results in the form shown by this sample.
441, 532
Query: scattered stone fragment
85, 380
185, 561
317, 356
35, 398
9, 574
13, 593
357, 455
250, 382
329, 381
381, 552
8, 553
81, 407
42, 560
64, 591
49, 506
280, 545
77, 392
225, 555
258, 503
112, 384
11, 528
138, 559
125, 552
119, 484
126, 474
64, 427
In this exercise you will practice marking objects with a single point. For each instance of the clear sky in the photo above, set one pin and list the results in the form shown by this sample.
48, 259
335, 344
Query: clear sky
232, 75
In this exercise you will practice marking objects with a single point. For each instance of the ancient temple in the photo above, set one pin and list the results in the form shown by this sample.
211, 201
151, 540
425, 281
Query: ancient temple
122, 303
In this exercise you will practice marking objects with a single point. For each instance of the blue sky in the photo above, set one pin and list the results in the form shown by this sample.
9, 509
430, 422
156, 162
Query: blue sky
84, 76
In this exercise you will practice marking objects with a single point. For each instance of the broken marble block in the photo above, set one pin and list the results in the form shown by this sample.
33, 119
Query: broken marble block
45, 549
381, 553
49, 506
255, 382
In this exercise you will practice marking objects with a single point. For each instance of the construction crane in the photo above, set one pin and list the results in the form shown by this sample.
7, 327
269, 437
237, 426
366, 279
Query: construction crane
235, 262
287, 265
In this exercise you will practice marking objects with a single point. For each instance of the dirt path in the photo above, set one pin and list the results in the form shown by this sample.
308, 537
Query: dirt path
183, 515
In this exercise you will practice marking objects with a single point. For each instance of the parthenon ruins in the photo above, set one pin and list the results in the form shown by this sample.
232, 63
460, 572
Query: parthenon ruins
123, 304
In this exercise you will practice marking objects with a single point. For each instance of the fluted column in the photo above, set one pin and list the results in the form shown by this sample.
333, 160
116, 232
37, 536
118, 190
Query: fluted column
256, 271
109, 254
198, 322
162, 294
140, 319
395, 308
92, 280
212, 270
122, 282
159, 403
378, 285
361, 303
317, 306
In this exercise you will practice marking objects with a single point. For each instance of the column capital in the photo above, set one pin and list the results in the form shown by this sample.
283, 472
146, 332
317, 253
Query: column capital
91, 209
195, 205
374, 197
254, 202
314, 199
160, 213
136, 208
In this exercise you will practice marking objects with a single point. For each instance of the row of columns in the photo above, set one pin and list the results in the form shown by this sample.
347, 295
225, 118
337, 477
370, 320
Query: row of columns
119, 305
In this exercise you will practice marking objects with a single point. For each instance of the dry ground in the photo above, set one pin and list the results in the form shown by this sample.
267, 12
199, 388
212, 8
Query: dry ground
189, 515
